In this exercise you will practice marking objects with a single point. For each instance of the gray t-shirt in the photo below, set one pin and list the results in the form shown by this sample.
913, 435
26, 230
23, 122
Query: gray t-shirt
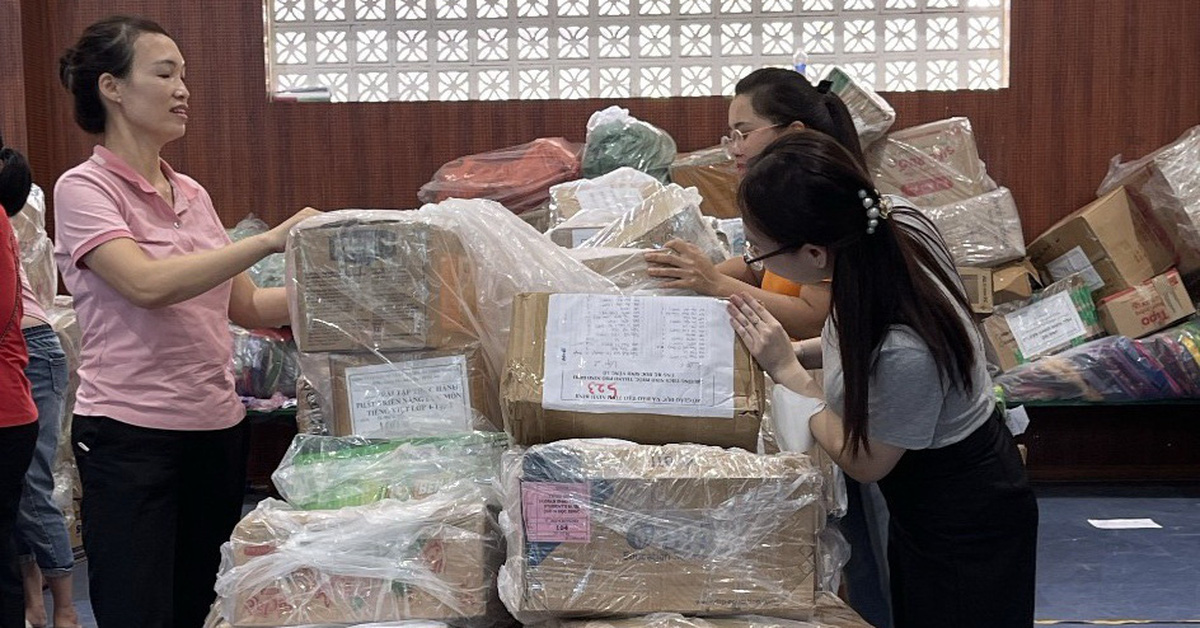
910, 404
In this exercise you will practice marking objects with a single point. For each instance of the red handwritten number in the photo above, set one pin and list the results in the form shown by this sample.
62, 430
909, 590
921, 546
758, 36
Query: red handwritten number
605, 390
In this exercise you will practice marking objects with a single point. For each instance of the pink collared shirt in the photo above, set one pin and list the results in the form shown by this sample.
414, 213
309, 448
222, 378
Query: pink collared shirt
166, 368
33, 309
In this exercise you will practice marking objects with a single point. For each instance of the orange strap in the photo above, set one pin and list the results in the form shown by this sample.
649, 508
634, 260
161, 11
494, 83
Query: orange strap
778, 285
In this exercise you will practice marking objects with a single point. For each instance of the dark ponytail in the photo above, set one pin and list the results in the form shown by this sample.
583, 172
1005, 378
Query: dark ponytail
16, 179
805, 188
105, 47
784, 96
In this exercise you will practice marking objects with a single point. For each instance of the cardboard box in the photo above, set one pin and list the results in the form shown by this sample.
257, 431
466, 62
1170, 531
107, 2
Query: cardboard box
414, 393
714, 174
529, 423
671, 213
603, 529
1014, 282
872, 115
1146, 308
932, 164
831, 612
981, 231
621, 190
627, 268
382, 285
978, 284
1108, 241
571, 237
451, 549
1060, 317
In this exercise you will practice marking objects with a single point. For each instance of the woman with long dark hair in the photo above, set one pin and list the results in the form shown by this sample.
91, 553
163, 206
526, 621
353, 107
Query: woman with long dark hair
907, 400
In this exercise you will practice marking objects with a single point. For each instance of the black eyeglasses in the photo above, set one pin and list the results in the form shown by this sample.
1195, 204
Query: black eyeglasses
754, 256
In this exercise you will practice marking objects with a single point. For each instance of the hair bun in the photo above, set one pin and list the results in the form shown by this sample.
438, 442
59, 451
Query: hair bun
66, 68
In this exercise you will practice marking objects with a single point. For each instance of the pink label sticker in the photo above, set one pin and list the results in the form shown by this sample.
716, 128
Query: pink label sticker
556, 512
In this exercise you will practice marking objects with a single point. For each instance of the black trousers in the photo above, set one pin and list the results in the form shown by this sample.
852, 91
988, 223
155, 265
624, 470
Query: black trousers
157, 505
16, 450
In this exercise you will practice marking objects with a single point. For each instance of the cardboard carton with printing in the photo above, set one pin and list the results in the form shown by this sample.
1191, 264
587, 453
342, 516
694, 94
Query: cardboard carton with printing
932, 164
714, 174
599, 528
673, 212
981, 231
1058, 318
978, 284
524, 395
1108, 241
1146, 308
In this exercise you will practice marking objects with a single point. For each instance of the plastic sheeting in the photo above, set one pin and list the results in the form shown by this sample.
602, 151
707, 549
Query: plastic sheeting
1166, 183
673, 212
322, 472
932, 164
265, 362
434, 558
269, 271
1165, 365
616, 139
579, 209
37, 251
872, 115
1044, 312
606, 527
981, 231
68, 489
830, 612
414, 301
518, 177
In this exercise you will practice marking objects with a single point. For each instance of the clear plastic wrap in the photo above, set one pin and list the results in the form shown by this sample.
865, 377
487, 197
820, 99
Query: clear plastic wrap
269, 271
983, 230
323, 472
415, 305
265, 362
613, 193
732, 233
830, 612
1046, 319
1166, 184
615, 139
1163, 366
673, 212
68, 490
932, 164
626, 268
872, 115
714, 174
216, 620
37, 251
608, 528
310, 418
517, 177
434, 558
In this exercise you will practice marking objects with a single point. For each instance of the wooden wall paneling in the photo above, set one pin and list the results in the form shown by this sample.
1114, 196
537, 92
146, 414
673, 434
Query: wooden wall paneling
12, 77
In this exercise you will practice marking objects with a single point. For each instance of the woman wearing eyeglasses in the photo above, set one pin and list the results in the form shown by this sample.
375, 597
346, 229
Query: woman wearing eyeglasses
768, 103
907, 400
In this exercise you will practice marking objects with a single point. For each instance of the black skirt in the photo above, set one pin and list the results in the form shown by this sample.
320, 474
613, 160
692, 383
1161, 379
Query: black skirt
962, 545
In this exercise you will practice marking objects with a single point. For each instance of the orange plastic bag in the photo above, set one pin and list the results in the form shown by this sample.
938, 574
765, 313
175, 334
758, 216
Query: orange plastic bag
518, 177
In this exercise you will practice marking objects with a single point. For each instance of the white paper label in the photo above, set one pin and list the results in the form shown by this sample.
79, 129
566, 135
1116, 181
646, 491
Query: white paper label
579, 236
1125, 524
1075, 261
1044, 325
608, 198
652, 355
416, 398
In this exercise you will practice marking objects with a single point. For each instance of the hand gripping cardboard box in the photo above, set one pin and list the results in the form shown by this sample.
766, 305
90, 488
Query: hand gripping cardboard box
1146, 308
435, 558
529, 422
378, 284
1108, 241
601, 528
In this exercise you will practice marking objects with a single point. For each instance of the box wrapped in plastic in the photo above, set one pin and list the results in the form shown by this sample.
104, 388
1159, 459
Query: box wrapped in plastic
265, 362
396, 394
872, 115
36, 249
932, 164
517, 177
325, 472
268, 272
981, 231
610, 194
609, 528
1053, 320
673, 212
1115, 368
616, 139
216, 620
628, 269
714, 174
434, 558
831, 612
310, 418
1166, 184
732, 234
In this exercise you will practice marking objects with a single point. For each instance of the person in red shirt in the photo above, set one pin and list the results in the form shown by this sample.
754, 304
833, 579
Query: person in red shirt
18, 415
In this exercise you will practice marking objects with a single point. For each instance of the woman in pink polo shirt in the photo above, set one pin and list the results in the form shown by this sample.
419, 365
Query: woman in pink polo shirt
158, 432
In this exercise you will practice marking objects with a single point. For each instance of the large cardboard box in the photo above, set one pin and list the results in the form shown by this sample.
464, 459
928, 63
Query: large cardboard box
1060, 317
1146, 308
298, 567
932, 164
603, 528
982, 231
414, 393
379, 285
1108, 241
715, 175
530, 423
1015, 281
627, 268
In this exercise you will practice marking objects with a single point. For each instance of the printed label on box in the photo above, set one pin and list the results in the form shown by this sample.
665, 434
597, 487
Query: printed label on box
1075, 261
655, 355
557, 512
1045, 325
418, 397
608, 198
